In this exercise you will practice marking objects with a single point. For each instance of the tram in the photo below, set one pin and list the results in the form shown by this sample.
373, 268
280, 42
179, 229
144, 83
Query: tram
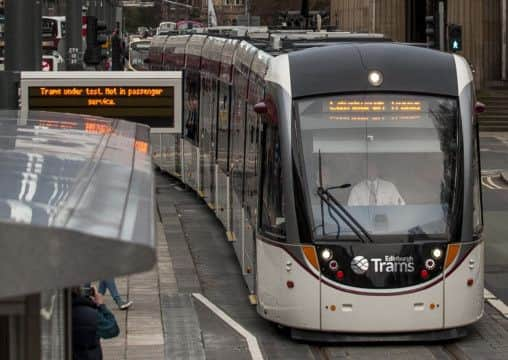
138, 53
346, 175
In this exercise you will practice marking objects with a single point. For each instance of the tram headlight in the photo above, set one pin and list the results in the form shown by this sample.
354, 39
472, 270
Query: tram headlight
333, 265
326, 254
375, 78
437, 253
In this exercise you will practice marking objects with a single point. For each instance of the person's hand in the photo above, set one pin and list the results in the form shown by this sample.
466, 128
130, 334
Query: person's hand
97, 296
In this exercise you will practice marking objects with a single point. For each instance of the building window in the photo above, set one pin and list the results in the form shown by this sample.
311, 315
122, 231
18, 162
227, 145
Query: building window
233, 2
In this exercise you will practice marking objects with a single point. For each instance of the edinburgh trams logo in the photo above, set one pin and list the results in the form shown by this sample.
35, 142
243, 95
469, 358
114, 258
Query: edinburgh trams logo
389, 263
359, 265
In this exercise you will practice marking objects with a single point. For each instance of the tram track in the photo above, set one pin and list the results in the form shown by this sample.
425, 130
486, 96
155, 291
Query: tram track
320, 352
439, 352
454, 352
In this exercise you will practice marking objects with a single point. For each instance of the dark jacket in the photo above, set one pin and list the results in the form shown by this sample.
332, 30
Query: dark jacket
90, 323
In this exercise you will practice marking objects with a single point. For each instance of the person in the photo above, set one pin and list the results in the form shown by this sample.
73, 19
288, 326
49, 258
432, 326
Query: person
116, 51
374, 191
113, 291
91, 321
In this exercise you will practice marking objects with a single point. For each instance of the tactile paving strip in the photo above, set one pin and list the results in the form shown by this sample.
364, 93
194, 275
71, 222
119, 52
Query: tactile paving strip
182, 333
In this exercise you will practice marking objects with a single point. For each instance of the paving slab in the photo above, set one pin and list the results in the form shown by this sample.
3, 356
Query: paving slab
141, 332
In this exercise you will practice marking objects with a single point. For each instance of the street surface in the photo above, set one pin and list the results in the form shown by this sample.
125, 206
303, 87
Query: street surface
494, 157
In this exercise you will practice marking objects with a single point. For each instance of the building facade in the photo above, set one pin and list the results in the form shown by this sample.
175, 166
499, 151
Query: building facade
227, 11
483, 23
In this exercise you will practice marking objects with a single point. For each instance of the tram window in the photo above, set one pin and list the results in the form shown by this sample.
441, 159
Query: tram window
204, 114
399, 155
223, 127
208, 113
272, 217
251, 149
475, 171
213, 118
191, 107
237, 131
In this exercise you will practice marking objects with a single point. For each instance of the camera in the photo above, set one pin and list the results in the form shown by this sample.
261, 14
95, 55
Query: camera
88, 291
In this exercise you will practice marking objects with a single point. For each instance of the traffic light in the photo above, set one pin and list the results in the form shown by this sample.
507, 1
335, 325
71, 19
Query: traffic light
432, 31
454, 37
95, 37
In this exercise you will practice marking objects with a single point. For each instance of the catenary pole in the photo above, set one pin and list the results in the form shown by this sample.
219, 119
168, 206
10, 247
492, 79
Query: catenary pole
23, 41
22, 48
73, 34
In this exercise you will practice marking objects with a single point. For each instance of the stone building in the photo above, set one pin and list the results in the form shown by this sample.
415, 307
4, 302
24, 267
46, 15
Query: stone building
483, 22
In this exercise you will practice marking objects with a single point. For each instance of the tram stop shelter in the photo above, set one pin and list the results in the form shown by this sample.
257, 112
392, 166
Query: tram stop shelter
76, 205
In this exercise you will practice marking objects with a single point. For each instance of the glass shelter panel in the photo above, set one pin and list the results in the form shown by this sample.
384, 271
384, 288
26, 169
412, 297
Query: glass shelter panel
53, 336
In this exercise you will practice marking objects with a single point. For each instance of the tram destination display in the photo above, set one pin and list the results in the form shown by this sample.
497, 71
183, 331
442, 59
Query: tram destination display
153, 106
150, 98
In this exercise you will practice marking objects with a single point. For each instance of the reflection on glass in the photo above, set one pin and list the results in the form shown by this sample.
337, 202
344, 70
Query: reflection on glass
397, 152
52, 325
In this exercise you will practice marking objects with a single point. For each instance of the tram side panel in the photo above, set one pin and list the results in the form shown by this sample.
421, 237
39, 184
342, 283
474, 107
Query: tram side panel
207, 106
464, 285
287, 293
464, 282
222, 195
173, 59
251, 193
255, 94
237, 146
190, 148
242, 66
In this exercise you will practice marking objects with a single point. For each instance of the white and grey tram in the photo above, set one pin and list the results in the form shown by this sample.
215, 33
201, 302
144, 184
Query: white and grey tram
346, 177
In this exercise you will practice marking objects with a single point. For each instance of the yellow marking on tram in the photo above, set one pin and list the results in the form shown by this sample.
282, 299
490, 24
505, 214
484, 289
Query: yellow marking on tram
253, 299
231, 236
311, 255
451, 254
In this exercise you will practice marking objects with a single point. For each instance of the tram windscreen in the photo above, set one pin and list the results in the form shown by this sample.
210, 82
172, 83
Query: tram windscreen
138, 54
399, 154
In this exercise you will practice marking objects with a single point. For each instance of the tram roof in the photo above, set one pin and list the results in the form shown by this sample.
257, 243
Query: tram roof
277, 41
424, 70
76, 201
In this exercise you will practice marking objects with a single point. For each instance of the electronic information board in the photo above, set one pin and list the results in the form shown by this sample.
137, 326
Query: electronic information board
147, 97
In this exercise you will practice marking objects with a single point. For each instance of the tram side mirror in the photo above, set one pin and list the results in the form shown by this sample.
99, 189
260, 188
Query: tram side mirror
479, 107
261, 108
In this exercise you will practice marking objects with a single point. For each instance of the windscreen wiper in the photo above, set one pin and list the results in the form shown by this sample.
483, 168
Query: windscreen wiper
335, 206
